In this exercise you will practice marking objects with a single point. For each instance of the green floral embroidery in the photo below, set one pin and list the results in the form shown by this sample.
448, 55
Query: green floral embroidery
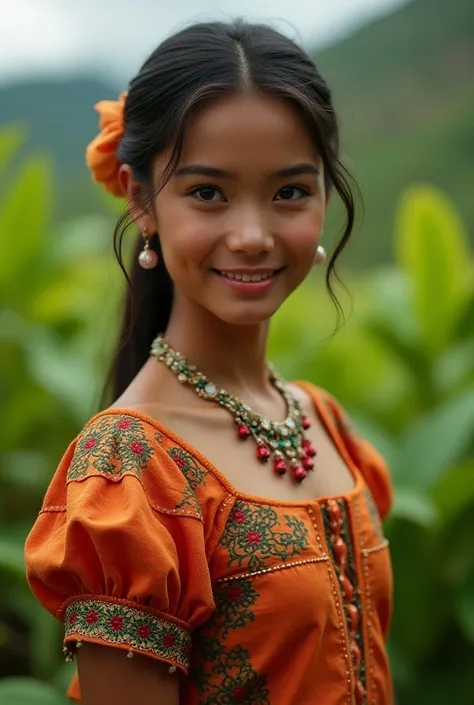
254, 534
351, 575
238, 683
226, 676
189, 466
194, 475
113, 446
233, 602
117, 623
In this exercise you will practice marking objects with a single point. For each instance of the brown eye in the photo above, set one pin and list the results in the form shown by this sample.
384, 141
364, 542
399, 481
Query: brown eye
207, 193
292, 193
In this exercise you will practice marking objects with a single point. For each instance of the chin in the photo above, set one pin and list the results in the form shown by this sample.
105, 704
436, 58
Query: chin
252, 315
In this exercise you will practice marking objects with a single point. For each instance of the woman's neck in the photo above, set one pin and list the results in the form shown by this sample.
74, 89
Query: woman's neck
233, 357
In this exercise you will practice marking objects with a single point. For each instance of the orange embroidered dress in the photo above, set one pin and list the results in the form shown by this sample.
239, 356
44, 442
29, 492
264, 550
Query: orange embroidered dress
143, 545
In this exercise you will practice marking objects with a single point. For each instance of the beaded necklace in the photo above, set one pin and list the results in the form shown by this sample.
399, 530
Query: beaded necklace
282, 442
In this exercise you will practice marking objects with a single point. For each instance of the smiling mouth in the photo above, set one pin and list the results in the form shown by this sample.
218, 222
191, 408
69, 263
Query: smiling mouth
248, 277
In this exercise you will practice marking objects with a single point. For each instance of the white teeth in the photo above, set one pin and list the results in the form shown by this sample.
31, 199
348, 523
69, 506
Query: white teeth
247, 277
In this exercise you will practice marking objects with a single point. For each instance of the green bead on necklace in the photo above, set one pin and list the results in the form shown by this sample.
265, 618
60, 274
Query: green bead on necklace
282, 442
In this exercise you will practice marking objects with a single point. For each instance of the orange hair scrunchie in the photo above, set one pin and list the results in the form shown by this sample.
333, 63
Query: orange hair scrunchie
101, 153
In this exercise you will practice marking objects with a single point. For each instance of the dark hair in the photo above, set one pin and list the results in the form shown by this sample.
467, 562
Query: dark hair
186, 72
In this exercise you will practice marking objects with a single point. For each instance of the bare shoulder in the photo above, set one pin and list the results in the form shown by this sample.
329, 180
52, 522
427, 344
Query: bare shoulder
148, 393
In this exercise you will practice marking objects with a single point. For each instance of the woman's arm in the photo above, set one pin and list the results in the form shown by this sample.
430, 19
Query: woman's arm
108, 677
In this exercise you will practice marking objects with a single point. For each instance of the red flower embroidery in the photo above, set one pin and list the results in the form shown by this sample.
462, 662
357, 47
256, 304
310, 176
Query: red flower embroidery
116, 623
136, 447
72, 617
239, 516
180, 461
169, 641
234, 593
92, 617
254, 538
239, 693
124, 424
144, 631
90, 443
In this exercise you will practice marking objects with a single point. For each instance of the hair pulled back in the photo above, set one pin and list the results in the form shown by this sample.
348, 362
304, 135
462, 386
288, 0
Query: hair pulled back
185, 73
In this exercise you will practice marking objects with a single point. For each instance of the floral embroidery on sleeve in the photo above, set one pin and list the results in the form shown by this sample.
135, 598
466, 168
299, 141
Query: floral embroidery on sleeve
116, 622
194, 475
112, 446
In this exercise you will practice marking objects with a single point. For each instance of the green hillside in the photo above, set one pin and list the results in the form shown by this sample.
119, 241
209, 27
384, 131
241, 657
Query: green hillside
405, 92
404, 89
59, 118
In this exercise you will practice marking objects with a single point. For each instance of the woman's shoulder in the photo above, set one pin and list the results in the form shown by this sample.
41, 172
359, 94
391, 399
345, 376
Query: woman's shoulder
364, 454
125, 445
312, 396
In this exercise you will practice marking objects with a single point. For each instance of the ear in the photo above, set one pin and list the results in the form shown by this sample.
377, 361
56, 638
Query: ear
134, 193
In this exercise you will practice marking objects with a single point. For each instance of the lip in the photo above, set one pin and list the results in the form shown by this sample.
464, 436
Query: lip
257, 270
249, 287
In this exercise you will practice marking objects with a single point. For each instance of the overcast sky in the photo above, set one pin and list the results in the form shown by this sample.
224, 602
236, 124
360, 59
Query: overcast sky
114, 36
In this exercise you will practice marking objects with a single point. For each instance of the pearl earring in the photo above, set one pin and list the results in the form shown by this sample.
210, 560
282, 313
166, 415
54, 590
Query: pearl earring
320, 255
148, 259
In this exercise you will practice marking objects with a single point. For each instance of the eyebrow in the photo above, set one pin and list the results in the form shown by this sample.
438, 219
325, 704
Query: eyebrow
212, 171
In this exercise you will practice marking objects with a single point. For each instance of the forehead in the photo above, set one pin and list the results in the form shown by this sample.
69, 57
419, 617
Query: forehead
248, 130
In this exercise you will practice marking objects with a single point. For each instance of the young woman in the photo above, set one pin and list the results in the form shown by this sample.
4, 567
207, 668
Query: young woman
214, 535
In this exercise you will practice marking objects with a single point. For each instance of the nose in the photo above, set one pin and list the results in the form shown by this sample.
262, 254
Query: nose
249, 234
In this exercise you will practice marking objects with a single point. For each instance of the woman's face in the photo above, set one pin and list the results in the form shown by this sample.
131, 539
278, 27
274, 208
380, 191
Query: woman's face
240, 220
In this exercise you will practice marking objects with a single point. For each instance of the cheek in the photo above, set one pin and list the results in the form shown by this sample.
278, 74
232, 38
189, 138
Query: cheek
186, 236
302, 233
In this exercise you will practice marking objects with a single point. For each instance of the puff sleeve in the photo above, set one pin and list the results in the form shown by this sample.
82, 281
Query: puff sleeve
369, 461
118, 550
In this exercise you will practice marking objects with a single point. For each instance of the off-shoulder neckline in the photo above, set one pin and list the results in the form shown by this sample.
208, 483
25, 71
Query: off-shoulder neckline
325, 419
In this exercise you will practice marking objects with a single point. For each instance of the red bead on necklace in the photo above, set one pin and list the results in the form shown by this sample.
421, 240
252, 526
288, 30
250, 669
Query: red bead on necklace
283, 442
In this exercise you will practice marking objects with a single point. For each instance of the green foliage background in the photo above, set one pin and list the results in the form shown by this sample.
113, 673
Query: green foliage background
403, 366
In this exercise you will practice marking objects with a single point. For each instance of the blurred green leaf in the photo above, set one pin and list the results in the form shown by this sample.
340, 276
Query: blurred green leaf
26, 691
454, 367
64, 675
465, 607
11, 558
465, 325
458, 539
436, 442
25, 469
66, 374
414, 554
12, 137
416, 508
432, 246
24, 213
45, 645
454, 490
